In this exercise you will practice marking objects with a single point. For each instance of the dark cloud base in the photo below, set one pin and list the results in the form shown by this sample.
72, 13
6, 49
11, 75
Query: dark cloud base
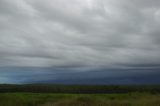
64, 76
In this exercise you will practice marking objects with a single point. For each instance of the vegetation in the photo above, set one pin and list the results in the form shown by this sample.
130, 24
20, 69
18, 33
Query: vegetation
85, 89
49, 99
78, 95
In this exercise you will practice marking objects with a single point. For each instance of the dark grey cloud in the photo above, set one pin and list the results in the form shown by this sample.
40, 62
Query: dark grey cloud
67, 76
80, 34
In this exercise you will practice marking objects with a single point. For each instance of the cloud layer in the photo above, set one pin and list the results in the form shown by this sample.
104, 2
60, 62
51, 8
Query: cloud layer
80, 33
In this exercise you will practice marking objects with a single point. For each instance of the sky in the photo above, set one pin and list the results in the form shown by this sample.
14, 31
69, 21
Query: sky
80, 41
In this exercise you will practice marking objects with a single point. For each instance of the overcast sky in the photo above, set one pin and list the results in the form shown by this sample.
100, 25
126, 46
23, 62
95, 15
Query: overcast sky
75, 36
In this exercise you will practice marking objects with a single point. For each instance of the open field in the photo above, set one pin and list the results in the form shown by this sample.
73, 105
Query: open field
79, 95
51, 99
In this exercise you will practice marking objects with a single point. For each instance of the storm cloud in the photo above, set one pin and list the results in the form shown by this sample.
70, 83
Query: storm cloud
80, 34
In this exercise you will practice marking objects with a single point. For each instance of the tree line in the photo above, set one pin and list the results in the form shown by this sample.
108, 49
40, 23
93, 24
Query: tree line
40, 88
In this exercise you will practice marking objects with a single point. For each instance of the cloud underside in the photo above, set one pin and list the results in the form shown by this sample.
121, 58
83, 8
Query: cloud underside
80, 33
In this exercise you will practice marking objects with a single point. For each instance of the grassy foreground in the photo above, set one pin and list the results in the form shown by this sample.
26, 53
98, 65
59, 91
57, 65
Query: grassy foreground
52, 99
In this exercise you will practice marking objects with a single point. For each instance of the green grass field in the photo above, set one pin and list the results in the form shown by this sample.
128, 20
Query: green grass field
51, 99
